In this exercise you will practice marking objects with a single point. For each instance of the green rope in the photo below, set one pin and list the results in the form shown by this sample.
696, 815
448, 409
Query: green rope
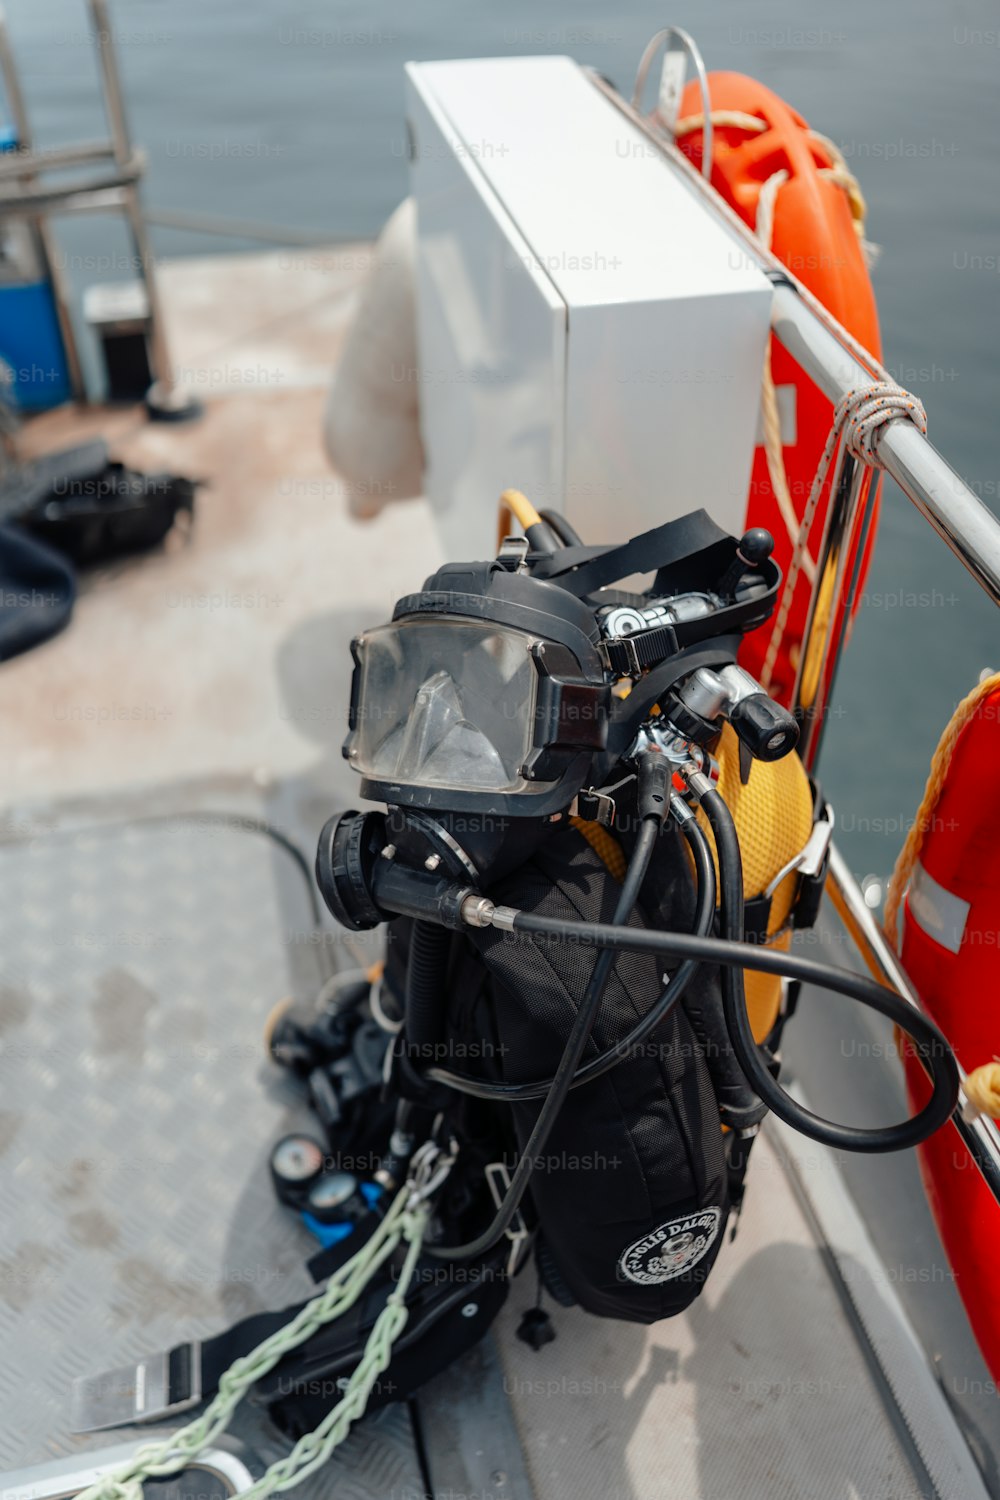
406, 1221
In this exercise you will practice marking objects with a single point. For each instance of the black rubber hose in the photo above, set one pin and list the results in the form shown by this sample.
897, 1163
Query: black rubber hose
931, 1045
426, 972
542, 538
567, 534
520, 1093
739, 1105
579, 1035
848, 1137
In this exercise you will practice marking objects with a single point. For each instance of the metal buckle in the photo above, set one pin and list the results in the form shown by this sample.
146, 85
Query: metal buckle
498, 1180
428, 1170
604, 806
513, 551
133, 1394
812, 857
817, 850
634, 668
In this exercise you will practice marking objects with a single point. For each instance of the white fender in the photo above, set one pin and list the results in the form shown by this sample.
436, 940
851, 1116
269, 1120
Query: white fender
372, 421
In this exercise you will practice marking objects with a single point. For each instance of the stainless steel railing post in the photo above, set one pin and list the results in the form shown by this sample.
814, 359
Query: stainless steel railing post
830, 604
165, 395
48, 250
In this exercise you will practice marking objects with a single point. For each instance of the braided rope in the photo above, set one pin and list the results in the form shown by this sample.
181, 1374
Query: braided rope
770, 418
403, 1222
839, 172
858, 419
982, 1092
737, 119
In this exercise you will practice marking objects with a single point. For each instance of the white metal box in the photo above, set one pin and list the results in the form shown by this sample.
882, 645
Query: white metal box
588, 332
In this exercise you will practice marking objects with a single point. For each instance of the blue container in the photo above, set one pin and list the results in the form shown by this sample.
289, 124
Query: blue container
31, 343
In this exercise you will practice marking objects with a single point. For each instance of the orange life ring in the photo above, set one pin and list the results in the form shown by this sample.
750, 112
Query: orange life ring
814, 235
951, 922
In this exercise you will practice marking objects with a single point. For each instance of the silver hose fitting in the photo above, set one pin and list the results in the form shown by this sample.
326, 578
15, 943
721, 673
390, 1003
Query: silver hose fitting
698, 782
477, 911
679, 810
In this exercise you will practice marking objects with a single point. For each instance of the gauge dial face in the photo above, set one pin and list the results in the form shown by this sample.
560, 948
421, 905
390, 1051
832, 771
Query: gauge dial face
297, 1159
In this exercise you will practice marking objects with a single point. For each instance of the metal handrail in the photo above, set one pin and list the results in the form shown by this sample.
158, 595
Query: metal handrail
837, 364
926, 478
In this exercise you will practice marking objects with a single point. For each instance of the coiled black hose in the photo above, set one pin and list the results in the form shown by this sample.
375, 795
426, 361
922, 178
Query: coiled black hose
931, 1045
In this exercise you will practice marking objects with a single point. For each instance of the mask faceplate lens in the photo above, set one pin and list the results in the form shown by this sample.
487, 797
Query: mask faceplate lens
446, 704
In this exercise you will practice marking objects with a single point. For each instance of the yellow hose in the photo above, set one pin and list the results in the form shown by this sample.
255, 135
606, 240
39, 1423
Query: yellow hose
513, 503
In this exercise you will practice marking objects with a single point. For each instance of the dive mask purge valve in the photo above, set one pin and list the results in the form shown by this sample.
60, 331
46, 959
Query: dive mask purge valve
505, 695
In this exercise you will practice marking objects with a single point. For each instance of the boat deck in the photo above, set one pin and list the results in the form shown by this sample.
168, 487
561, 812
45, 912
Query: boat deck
149, 924
224, 652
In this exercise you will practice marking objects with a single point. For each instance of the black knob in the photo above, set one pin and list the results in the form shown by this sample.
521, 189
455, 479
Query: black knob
348, 849
753, 548
756, 546
768, 730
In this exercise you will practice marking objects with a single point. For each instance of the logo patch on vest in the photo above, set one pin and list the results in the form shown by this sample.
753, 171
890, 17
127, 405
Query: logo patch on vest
674, 1248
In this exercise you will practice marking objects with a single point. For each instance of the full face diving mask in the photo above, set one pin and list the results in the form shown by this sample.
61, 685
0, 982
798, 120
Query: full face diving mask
496, 697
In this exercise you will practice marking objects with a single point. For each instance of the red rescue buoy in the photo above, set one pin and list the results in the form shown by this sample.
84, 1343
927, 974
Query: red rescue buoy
814, 235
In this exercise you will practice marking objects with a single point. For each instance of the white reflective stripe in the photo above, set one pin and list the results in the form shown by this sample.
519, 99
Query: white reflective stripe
940, 914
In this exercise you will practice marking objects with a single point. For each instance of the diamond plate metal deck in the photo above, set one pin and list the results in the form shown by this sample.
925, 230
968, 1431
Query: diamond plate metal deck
137, 1109
138, 962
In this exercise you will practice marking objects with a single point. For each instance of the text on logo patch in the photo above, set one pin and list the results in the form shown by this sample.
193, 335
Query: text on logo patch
672, 1249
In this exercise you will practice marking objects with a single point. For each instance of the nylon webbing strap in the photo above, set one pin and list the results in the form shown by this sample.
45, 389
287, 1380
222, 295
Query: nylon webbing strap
171, 1381
653, 550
